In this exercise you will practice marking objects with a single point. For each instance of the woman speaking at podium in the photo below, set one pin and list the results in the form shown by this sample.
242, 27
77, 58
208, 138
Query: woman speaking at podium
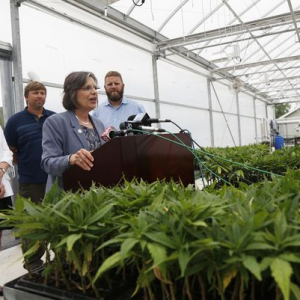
69, 137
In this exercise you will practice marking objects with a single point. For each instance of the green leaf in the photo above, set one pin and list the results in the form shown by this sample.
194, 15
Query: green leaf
108, 264
199, 223
252, 265
19, 205
259, 218
259, 246
281, 272
265, 263
161, 238
280, 226
183, 259
127, 245
32, 249
228, 277
158, 253
291, 257
99, 214
71, 239
295, 290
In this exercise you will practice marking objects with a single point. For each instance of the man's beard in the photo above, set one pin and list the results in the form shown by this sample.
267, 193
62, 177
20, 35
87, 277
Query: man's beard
115, 96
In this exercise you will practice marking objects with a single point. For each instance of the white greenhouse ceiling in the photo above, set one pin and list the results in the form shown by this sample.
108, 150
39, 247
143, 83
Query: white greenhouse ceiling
255, 43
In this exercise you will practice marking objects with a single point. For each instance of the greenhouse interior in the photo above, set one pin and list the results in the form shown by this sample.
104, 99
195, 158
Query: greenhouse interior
150, 149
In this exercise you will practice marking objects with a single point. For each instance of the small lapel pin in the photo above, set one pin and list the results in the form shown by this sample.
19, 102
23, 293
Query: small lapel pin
79, 130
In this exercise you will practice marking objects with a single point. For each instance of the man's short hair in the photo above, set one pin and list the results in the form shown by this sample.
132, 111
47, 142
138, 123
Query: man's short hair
113, 74
34, 86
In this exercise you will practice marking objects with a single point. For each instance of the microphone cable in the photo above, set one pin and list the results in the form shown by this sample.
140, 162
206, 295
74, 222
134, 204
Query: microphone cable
182, 144
194, 150
212, 157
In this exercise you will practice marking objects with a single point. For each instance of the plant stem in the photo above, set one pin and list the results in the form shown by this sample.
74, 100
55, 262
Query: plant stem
203, 288
93, 286
241, 294
252, 288
61, 271
188, 288
163, 290
220, 285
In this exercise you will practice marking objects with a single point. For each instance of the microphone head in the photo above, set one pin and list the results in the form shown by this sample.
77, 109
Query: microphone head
107, 134
141, 118
123, 126
131, 118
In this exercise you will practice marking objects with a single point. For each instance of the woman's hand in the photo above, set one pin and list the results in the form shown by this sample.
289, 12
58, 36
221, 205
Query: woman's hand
82, 158
2, 190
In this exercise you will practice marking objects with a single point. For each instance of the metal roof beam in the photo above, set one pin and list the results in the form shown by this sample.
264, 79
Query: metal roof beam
278, 90
234, 41
296, 97
278, 79
260, 24
266, 71
258, 63
294, 19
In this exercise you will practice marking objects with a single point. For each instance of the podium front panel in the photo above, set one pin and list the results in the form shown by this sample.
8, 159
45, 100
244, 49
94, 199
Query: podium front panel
146, 157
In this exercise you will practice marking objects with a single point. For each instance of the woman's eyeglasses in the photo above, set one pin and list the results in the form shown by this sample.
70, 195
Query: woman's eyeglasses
89, 88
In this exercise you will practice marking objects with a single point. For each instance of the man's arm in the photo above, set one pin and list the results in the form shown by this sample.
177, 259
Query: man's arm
15, 154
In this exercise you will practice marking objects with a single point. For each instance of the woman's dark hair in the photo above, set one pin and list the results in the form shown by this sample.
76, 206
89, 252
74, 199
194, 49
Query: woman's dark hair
73, 82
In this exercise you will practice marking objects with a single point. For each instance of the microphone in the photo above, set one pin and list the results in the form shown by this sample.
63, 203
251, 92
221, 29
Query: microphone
144, 119
133, 126
153, 120
150, 129
111, 132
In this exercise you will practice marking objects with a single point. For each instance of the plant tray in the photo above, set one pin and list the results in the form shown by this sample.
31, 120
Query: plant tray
25, 289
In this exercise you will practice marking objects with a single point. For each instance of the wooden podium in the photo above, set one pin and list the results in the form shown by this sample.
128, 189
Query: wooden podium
147, 157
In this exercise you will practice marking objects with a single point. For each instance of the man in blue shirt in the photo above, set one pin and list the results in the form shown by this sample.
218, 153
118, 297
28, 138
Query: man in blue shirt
116, 109
23, 133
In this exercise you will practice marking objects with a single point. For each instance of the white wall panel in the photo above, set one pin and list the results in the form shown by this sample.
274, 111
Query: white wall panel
223, 135
222, 98
260, 107
246, 105
248, 131
54, 100
194, 120
181, 86
5, 28
55, 51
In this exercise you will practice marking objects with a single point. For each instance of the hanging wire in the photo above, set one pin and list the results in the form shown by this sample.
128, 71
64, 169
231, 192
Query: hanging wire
151, 8
182, 21
136, 3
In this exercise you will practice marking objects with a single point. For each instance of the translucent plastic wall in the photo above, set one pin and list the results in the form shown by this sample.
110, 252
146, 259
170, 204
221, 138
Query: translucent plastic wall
224, 112
5, 28
53, 46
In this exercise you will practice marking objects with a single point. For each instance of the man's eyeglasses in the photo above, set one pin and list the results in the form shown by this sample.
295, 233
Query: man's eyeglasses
89, 88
